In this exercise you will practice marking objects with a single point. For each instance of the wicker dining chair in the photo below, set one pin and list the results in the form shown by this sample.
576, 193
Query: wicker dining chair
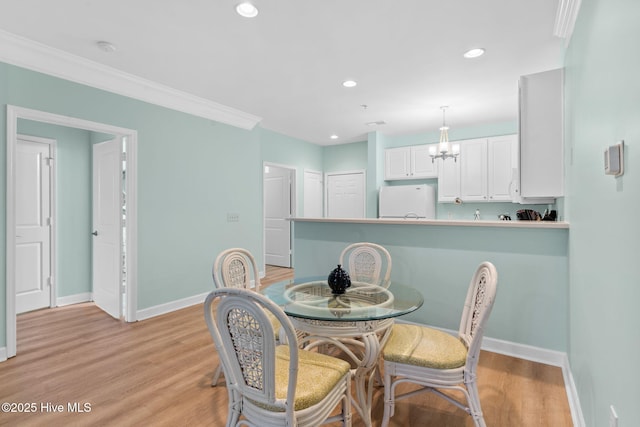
436, 360
270, 384
235, 268
367, 262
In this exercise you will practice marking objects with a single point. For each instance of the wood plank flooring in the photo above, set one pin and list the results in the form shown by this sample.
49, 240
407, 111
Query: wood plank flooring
157, 372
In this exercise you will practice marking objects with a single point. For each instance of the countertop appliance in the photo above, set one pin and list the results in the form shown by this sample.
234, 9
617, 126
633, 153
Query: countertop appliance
407, 201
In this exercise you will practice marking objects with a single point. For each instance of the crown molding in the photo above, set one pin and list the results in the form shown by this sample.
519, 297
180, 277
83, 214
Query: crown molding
566, 16
22, 52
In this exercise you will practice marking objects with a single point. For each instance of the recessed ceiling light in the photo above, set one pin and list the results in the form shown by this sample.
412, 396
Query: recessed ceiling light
334, 136
247, 10
106, 46
349, 83
474, 53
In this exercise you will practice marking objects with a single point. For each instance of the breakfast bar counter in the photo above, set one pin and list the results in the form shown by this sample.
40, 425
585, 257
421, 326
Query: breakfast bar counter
441, 222
438, 256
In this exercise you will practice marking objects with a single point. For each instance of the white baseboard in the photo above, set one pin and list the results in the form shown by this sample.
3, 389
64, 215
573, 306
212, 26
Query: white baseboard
73, 299
3, 354
170, 306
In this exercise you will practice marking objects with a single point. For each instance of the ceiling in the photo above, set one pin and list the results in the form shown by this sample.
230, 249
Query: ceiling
286, 66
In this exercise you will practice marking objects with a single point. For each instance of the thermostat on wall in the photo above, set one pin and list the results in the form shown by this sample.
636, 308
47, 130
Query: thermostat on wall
614, 159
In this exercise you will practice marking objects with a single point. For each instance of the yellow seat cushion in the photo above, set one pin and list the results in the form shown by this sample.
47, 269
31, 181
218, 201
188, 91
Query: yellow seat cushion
275, 323
318, 374
426, 347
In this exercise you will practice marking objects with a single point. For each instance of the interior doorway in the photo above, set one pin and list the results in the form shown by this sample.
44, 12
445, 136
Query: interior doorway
127, 239
279, 208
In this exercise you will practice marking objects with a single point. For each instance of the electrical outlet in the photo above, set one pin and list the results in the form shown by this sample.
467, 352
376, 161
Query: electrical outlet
613, 417
233, 217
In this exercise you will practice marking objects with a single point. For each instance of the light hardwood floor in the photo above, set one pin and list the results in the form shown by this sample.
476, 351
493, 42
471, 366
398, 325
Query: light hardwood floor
157, 372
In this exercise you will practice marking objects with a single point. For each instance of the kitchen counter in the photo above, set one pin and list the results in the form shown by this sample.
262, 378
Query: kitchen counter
441, 222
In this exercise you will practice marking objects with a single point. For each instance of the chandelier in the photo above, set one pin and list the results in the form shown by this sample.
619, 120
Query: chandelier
445, 149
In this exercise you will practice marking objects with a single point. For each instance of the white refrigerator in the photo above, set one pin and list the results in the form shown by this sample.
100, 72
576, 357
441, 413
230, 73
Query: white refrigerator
407, 201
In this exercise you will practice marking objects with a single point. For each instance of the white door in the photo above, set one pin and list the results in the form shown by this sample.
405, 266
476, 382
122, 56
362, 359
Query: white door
277, 211
312, 194
345, 195
33, 224
107, 214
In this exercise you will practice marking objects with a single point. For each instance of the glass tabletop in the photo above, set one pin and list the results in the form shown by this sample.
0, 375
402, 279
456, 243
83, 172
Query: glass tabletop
311, 298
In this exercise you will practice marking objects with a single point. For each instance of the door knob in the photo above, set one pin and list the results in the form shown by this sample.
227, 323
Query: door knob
95, 233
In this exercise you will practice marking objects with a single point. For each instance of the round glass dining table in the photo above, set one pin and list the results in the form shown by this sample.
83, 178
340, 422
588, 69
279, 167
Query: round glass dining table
357, 322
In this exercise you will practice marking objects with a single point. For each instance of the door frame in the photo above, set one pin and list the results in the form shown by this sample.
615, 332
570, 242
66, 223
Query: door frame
53, 214
293, 172
13, 114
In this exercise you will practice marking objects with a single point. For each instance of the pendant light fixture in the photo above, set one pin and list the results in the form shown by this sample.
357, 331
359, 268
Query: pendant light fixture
445, 149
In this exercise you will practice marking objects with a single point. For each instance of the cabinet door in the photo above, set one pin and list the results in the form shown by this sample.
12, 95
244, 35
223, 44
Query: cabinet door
396, 163
422, 166
541, 135
502, 158
473, 170
448, 179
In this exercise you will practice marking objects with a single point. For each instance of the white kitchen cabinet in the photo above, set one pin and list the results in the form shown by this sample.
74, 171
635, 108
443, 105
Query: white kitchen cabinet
483, 172
541, 168
412, 162
473, 170
448, 180
502, 158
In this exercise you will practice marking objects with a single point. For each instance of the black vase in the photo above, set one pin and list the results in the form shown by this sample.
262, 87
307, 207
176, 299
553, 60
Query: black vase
339, 280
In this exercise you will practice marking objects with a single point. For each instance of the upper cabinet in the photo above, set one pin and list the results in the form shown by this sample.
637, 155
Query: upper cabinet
483, 172
411, 162
541, 168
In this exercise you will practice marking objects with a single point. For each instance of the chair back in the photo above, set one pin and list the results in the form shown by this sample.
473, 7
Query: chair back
244, 338
236, 268
477, 307
367, 262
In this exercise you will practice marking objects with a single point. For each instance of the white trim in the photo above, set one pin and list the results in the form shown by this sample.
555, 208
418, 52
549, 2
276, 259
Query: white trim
13, 114
39, 57
74, 299
566, 16
572, 395
3, 354
169, 307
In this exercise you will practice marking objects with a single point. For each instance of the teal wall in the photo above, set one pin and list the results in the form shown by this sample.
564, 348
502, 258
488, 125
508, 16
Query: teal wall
73, 187
456, 133
292, 152
345, 157
602, 95
532, 264
191, 172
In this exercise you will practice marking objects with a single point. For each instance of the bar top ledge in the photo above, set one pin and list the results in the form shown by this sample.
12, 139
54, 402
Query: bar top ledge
441, 222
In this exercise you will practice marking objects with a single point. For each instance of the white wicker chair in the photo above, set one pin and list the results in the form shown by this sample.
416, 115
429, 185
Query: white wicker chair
367, 262
234, 268
436, 360
270, 384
